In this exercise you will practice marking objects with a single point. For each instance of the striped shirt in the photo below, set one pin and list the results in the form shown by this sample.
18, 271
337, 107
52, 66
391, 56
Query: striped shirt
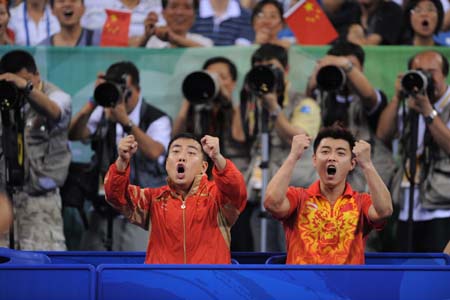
233, 27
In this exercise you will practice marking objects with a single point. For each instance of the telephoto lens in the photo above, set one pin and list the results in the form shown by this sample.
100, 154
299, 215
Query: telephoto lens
108, 93
200, 87
415, 81
331, 78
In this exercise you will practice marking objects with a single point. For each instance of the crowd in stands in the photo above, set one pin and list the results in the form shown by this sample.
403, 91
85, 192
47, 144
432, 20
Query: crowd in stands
205, 23
137, 147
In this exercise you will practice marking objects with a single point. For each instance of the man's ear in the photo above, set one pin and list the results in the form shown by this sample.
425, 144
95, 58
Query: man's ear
314, 160
204, 167
353, 162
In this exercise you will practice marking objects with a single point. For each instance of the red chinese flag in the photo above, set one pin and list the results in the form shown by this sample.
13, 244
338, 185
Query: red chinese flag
115, 30
310, 24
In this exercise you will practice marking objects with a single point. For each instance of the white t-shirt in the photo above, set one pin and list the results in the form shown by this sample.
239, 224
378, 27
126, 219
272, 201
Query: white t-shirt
155, 42
95, 14
27, 32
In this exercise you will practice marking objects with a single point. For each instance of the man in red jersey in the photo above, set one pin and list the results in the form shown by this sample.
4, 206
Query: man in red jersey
189, 219
328, 222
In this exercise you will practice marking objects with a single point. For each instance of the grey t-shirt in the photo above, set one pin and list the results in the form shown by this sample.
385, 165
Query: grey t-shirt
88, 37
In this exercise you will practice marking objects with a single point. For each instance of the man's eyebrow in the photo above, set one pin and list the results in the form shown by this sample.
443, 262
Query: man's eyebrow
193, 147
326, 147
342, 148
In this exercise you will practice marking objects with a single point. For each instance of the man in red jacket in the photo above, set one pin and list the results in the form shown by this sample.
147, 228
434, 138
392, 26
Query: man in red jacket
189, 219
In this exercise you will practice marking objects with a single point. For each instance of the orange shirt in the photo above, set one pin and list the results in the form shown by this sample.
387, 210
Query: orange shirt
193, 230
319, 233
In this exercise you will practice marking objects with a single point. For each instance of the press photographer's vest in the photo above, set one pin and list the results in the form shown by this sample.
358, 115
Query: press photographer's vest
356, 119
435, 173
144, 172
304, 173
46, 148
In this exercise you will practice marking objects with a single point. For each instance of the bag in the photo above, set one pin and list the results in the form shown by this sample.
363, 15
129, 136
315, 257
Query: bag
81, 184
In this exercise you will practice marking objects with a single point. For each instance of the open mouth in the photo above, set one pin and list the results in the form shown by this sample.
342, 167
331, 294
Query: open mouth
180, 169
331, 170
68, 13
425, 23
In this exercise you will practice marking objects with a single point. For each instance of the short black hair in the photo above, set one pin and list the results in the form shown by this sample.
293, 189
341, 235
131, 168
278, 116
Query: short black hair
411, 4
270, 51
52, 3
16, 60
260, 5
117, 70
190, 136
222, 60
445, 66
346, 48
165, 2
335, 131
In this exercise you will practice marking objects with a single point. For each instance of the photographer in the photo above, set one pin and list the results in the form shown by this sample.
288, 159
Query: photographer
289, 113
217, 116
123, 111
431, 211
345, 95
46, 115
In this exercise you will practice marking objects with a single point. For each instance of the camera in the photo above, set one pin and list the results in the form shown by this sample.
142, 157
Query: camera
201, 87
331, 78
10, 96
108, 93
417, 81
264, 79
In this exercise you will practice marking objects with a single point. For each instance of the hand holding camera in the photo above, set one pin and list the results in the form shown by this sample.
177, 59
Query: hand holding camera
418, 86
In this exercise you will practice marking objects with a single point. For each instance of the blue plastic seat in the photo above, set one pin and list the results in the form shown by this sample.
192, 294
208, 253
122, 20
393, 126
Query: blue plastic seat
10, 256
276, 260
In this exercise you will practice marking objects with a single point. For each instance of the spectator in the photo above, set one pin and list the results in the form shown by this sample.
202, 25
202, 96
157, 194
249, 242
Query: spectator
6, 35
422, 19
179, 16
328, 222
431, 211
381, 24
190, 218
68, 13
104, 126
289, 113
46, 115
225, 22
342, 14
32, 21
267, 20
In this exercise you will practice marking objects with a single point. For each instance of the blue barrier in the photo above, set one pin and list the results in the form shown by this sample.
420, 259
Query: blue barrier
393, 258
115, 282
96, 258
49, 282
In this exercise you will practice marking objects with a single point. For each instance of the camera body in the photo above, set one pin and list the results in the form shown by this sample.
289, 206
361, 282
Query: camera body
201, 87
11, 97
110, 92
417, 81
263, 79
331, 78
